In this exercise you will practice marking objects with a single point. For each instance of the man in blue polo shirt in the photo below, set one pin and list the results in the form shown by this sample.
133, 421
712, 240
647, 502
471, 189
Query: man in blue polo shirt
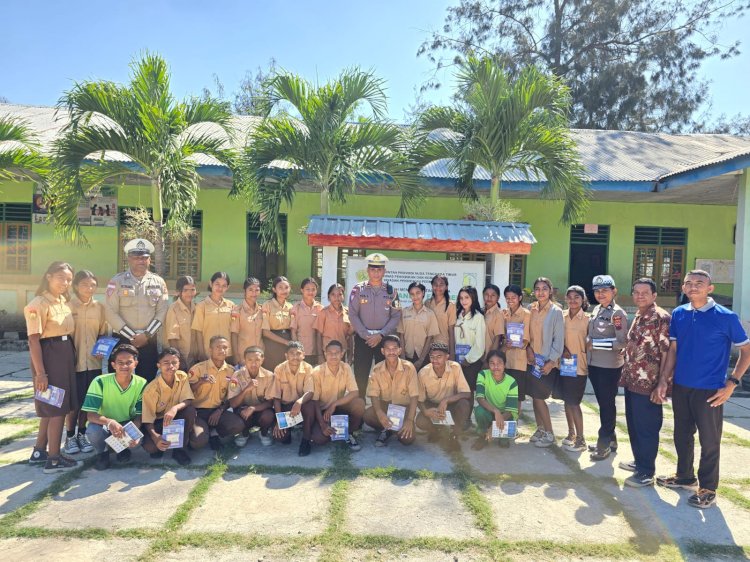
701, 335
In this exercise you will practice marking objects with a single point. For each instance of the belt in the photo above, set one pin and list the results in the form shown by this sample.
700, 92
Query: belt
286, 332
57, 338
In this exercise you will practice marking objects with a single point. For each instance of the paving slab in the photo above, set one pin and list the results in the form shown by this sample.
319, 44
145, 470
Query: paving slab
15, 365
264, 505
520, 458
281, 455
10, 387
265, 554
23, 408
74, 550
734, 462
10, 429
409, 509
415, 555
17, 450
119, 498
420, 455
20, 483
579, 515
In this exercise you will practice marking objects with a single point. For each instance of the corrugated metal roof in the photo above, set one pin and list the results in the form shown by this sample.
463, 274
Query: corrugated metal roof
422, 229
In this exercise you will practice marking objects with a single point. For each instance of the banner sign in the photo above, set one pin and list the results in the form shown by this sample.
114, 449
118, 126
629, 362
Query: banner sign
97, 209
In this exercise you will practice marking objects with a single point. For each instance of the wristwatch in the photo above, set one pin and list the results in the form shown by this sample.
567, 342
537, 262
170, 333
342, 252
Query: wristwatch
735, 380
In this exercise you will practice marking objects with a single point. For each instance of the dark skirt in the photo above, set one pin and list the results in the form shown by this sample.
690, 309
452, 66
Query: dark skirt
59, 362
275, 352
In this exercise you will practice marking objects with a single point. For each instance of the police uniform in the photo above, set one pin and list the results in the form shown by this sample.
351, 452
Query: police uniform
372, 310
135, 306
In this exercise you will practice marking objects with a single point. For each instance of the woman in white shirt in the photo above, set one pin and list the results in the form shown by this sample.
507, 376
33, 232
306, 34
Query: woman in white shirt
470, 335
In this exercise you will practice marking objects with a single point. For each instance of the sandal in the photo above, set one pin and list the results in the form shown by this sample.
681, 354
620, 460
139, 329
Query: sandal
702, 499
600, 454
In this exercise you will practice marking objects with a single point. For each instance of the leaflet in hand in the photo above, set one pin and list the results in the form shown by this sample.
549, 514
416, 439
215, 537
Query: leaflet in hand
396, 415
508, 431
462, 350
603, 343
130, 433
104, 346
287, 420
569, 367
514, 333
53, 396
340, 425
447, 420
174, 434
538, 364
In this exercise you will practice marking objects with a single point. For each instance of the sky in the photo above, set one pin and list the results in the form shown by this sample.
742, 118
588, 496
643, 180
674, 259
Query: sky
50, 44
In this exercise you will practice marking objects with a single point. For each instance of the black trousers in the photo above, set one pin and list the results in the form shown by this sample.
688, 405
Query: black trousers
605, 381
691, 412
147, 357
644, 424
363, 358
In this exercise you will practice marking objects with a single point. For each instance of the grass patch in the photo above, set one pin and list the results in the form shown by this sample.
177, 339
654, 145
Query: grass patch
734, 496
19, 421
717, 551
195, 497
480, 508
16, 396
733, 439
18, 435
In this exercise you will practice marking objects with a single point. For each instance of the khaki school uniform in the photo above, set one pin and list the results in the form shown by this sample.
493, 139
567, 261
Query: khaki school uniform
327, 386
89, 325
576, 332
304, 320
178, 326
261, 387
158, 397
289, 387
212, 319
495, 326
247, 323
435, 389
277, 316
446, 318
333, 325
516, 356
211, 395
397, 389
536, 326
416, 327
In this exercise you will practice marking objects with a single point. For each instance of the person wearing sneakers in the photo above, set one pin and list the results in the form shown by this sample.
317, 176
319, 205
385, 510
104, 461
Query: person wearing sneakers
393, 381
166, 398
334, 392
608, 332
209, 381
701, 334
251, 394
645, 357
497, 397
573, 387
112, 401
443, 388
289, 394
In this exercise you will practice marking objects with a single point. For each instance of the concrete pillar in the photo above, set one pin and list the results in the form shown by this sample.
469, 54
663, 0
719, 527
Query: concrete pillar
330, 265
741, 296
500, 272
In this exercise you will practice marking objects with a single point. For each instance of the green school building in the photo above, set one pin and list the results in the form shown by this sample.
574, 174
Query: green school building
661, 205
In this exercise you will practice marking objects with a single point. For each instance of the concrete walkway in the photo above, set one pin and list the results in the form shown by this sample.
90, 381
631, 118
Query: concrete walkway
395, 503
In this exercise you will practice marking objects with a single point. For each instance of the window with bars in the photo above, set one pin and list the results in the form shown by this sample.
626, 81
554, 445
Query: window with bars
517, 270
182, 257
15, 237
660, 254
316, 267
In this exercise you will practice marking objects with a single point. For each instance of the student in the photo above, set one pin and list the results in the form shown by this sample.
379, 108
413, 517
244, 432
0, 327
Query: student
517, 336
445, 311
497, 398
247, 319
572, 388
213, 316
289, 393
334, 391
493, 319
393, 381
304, 318
167, 398
608, 332
470, 334
112, 401
178, 325
417, 328
50, 326
333, 321
443, 388
277, 323
209, 381
701, 333
251, 397
88, 316
547, 331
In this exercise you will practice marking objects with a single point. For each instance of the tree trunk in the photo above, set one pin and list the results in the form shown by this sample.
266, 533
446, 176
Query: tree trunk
495, 189
158, 216
325, 204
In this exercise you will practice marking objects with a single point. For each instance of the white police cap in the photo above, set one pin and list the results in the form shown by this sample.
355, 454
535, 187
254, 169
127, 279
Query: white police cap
603, 282
376, 260
139, 247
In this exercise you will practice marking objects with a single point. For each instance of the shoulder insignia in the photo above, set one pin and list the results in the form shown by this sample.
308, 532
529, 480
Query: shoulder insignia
111, 287
617, 321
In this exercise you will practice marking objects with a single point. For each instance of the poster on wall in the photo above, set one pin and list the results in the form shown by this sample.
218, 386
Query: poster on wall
721, 271
401, 273
97, 209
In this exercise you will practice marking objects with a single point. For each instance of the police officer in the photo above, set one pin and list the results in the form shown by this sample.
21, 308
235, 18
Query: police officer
374, 312
136, 305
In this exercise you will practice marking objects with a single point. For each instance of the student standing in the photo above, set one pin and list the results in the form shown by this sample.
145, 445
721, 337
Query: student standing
88, 316
445, 311
701, 333
608, 332
304, 318
333, 321
493, 318
470, 334
547, 330
572, 388
213, 316
290, 378
247, 319
277, 323
497, 397
417, 328
50, 326
251, 397
178, 326
517, 336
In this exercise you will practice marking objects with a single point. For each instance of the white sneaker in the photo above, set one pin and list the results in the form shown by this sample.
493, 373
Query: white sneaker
546, 440
240, 440
537, 435
569, 440
84, 444
266, 440
627, 465
71, 446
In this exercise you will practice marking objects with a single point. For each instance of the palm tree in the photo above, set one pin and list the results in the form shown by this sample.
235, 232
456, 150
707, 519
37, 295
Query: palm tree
19, 151
325, 147
509, 124
143, 122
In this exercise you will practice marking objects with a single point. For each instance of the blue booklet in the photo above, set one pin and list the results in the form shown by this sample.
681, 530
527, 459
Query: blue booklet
287, 420
514, 333
174, 434
53, 396
104, 346
462, 350
340, 425
508, 431
396, 414
569, 367
538, 364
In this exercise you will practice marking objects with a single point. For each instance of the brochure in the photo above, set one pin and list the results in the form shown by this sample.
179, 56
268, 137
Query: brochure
174, 434
287, 420
130, 433
569, 367
538, 364
447, 420
396, 414
53, 396
340, 425
462, 350
514, 333
509, 430
603, 343
104, 346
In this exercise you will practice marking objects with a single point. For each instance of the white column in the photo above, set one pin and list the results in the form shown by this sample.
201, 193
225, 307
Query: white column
500, 272
741, 296
330, 264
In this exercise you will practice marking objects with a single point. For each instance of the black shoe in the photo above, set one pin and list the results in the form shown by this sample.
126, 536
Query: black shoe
38, 457
59, 464
102, 461
504, 443
600, 454
304, 447
613, 445
215, 443
157, 454
287, 439
124, 456
181, 457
